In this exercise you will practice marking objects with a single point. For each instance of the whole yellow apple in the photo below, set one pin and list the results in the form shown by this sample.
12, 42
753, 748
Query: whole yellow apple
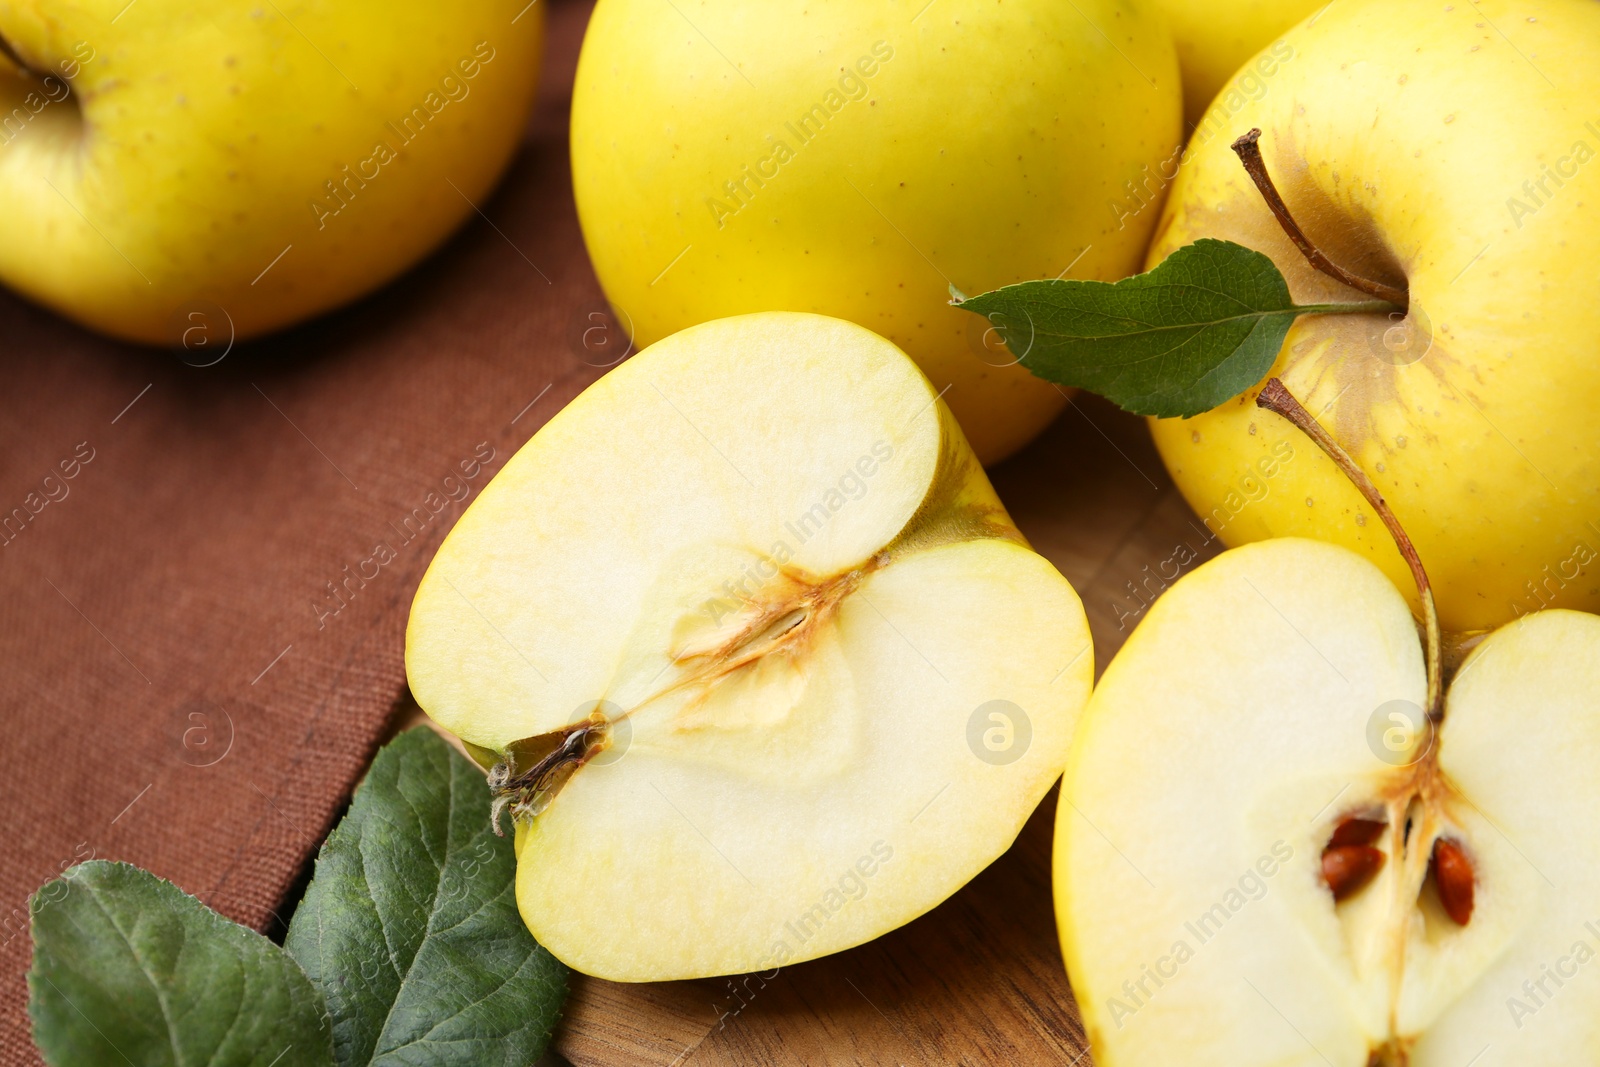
174, 173
1215, 40
858, 158
1419, 147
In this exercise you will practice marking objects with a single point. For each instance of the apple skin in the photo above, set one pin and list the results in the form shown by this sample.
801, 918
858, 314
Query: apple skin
195, 142
1214, 40
989, 144
1401, 135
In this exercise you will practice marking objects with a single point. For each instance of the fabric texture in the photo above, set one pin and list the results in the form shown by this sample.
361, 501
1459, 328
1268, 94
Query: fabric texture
204, 603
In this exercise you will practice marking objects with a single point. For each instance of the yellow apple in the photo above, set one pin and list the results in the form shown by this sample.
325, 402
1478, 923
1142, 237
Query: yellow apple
1215, 39
1418, 146
857, 158
167, 167
764, 668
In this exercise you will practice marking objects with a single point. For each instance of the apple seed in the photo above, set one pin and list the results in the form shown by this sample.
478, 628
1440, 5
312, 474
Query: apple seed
1355, 831
1348, 868
1454, 879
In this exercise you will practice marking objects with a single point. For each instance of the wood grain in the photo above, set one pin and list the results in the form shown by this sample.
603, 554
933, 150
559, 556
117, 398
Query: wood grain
978, 980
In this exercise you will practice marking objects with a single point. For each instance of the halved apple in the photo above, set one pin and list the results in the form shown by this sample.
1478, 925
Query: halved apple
763, 666
1259, 749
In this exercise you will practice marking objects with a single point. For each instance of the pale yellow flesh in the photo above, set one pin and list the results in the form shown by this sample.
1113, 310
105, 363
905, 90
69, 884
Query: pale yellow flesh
180, 175
1401, 134
971, 144
606, 560
1215, 40
1225, 742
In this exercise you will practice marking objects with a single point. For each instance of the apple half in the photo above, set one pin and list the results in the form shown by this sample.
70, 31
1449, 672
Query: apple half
762, 665
1261, 730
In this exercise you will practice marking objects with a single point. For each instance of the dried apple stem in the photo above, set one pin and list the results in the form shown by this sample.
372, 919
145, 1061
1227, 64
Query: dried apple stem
1249, 152
9, 54
1276, 398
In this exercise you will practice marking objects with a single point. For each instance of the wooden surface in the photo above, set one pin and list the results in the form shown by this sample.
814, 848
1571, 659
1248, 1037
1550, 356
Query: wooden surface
979, 979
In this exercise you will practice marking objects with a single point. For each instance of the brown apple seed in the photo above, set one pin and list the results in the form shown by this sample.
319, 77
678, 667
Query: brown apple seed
1453, 877
1347, 868
1357, 832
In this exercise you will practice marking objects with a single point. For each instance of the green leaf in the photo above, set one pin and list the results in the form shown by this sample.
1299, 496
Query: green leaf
410, 925
129, 969
1200, 328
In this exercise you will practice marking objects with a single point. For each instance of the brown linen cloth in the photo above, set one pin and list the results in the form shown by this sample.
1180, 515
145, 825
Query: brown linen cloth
182, 686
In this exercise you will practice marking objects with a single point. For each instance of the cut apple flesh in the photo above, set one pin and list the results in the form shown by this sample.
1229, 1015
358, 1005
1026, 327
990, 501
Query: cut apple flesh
765, 666
1269, 702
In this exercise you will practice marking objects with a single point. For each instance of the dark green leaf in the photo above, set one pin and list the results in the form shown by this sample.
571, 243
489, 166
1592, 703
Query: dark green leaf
1199, 329
129, 969
410, 925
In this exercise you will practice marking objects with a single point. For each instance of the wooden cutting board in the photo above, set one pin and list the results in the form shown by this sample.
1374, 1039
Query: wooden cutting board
978, 980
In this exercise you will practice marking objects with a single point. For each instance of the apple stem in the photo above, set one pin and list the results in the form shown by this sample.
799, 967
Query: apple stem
9, 54
1275, 397
1249, 152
